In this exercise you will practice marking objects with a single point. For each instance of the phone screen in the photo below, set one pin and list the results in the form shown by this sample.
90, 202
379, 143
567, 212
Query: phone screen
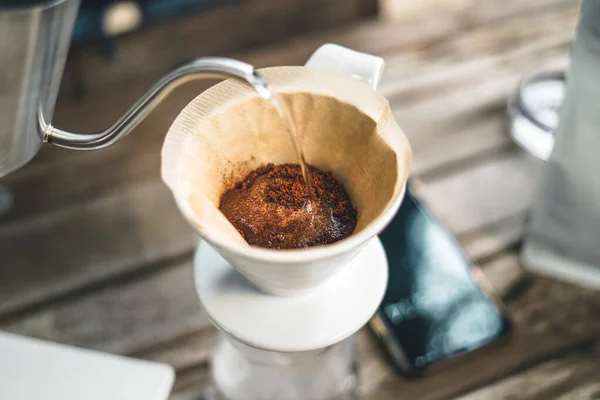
433, 308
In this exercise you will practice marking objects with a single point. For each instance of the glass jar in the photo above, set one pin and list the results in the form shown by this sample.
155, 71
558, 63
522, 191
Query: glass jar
242, 372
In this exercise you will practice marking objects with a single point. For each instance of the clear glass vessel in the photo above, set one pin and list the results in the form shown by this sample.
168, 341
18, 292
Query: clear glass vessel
242, 372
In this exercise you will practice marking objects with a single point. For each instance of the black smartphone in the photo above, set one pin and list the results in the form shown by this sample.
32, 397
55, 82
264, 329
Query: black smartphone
432, 311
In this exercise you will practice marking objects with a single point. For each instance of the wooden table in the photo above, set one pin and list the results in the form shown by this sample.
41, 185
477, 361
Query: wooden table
95, 254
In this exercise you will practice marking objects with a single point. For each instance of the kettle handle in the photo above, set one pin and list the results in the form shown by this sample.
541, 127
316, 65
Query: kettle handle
363, 66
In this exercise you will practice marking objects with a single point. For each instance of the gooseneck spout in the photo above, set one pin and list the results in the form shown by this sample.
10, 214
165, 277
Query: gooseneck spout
201, 68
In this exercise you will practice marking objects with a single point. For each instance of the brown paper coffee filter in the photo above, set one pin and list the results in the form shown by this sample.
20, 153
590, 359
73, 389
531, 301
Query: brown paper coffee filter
344, 126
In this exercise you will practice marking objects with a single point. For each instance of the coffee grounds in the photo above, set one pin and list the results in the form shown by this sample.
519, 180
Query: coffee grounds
270, 208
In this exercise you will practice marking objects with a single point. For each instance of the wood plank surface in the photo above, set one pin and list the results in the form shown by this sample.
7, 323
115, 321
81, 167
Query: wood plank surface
92, 241
95, 253
495, 238
501, 186
228, 27
86, 179
551, 319
548, 324
180, 293
69, 322
572, 377
122, 317
539, 336
143, 56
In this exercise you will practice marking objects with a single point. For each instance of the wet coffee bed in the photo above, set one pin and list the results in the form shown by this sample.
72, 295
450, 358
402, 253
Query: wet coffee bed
271, 208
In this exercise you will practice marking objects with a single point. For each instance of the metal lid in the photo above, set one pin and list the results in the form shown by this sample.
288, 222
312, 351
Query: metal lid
534, 111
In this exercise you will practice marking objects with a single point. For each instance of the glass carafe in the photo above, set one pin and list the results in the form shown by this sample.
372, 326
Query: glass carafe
242, 372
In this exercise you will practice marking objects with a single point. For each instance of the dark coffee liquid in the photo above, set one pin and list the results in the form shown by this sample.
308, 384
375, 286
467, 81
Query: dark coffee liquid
271, 208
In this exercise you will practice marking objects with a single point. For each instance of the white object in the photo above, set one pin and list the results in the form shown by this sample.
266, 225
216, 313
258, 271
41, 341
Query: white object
534, 109
295, 271
329, 314
33, 369
323, 374
295, 347
363, 66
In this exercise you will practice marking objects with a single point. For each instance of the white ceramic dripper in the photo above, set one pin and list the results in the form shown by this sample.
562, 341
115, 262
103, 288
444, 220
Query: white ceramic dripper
345, 126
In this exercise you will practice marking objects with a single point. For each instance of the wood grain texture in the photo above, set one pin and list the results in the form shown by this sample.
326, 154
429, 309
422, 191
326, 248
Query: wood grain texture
145, 55
404, 11
71, 191
572, 377
193, 349
427, 70
492, 239
177, 289
147, 205
89, 242
548, 324
533, 342
98, 256
422, 90
123, 317
219, 30
191, 383
486, 192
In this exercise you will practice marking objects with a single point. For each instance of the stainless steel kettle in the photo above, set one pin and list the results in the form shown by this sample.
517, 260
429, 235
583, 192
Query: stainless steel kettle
34, 42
